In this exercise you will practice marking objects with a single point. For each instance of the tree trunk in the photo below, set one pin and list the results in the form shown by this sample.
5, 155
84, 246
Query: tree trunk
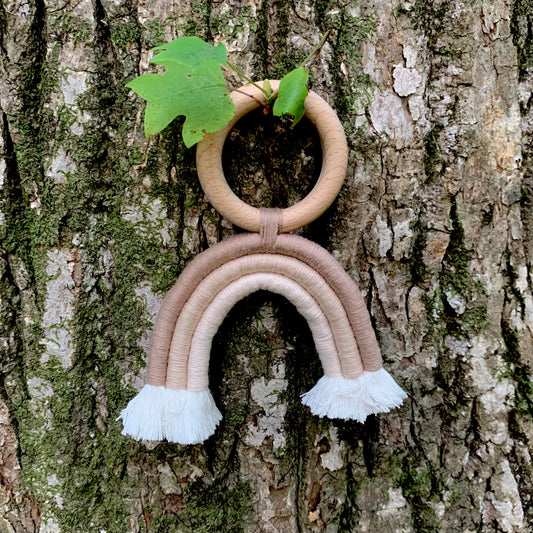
434, 223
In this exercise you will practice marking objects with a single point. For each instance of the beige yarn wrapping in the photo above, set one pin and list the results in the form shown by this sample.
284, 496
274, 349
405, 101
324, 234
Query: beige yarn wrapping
297, 259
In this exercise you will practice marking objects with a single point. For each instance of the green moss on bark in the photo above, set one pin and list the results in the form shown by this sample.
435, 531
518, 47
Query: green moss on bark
353, 88
416, 262
218, 508
457, 313
70, 438
431, 158
522, 31
421, 484
455, 274
517, 370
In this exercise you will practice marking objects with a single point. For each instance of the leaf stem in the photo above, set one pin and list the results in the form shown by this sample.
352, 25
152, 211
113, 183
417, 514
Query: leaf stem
250, 96
315, 50
244, 76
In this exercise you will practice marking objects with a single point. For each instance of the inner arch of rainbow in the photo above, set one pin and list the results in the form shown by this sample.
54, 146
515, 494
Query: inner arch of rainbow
176, 404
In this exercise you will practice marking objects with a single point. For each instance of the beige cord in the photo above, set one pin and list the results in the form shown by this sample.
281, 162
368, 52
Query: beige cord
333, 322
198, 364
326, 189
250, 244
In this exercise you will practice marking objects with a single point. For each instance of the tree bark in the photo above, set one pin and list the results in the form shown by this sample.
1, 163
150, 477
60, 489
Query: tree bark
434, 223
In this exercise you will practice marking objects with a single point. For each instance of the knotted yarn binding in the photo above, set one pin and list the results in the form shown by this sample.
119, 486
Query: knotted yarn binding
270, 222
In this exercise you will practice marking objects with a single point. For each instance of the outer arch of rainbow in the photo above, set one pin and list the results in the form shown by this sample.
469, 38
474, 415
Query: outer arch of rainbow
176, 403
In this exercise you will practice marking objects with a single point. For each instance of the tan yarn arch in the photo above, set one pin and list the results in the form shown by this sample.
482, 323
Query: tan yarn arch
354, 383
250, 245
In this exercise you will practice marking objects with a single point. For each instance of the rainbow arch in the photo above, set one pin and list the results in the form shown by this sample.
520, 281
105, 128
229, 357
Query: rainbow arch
176, 404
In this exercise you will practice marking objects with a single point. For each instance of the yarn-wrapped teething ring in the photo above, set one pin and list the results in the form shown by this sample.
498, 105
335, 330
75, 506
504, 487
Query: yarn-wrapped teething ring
176, 404
326, 189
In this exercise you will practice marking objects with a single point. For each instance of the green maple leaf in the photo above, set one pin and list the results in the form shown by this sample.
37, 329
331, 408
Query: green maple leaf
192, 85
292, 93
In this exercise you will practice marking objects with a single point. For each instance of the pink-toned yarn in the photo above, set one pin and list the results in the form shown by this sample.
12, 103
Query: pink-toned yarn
247, 245
235, 291
311, 282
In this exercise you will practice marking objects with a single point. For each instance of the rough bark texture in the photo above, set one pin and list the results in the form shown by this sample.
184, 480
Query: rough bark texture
435, 223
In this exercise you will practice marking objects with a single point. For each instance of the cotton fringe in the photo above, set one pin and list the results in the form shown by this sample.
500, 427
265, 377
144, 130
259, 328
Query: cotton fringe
354, 399
181, 416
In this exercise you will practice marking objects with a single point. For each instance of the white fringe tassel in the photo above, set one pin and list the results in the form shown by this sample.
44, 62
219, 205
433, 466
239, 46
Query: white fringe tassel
181, 416
354, 399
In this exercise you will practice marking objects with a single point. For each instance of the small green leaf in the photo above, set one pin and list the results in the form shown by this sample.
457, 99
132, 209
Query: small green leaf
268, 90
292, 94
193, 85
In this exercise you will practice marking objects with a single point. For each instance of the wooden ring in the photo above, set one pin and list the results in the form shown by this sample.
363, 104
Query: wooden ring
326, 189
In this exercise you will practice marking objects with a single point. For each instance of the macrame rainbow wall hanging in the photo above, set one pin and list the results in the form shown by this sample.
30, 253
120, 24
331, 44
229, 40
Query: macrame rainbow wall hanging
176, 404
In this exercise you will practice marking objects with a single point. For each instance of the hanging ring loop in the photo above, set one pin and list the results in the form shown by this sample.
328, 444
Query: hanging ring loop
326, 189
